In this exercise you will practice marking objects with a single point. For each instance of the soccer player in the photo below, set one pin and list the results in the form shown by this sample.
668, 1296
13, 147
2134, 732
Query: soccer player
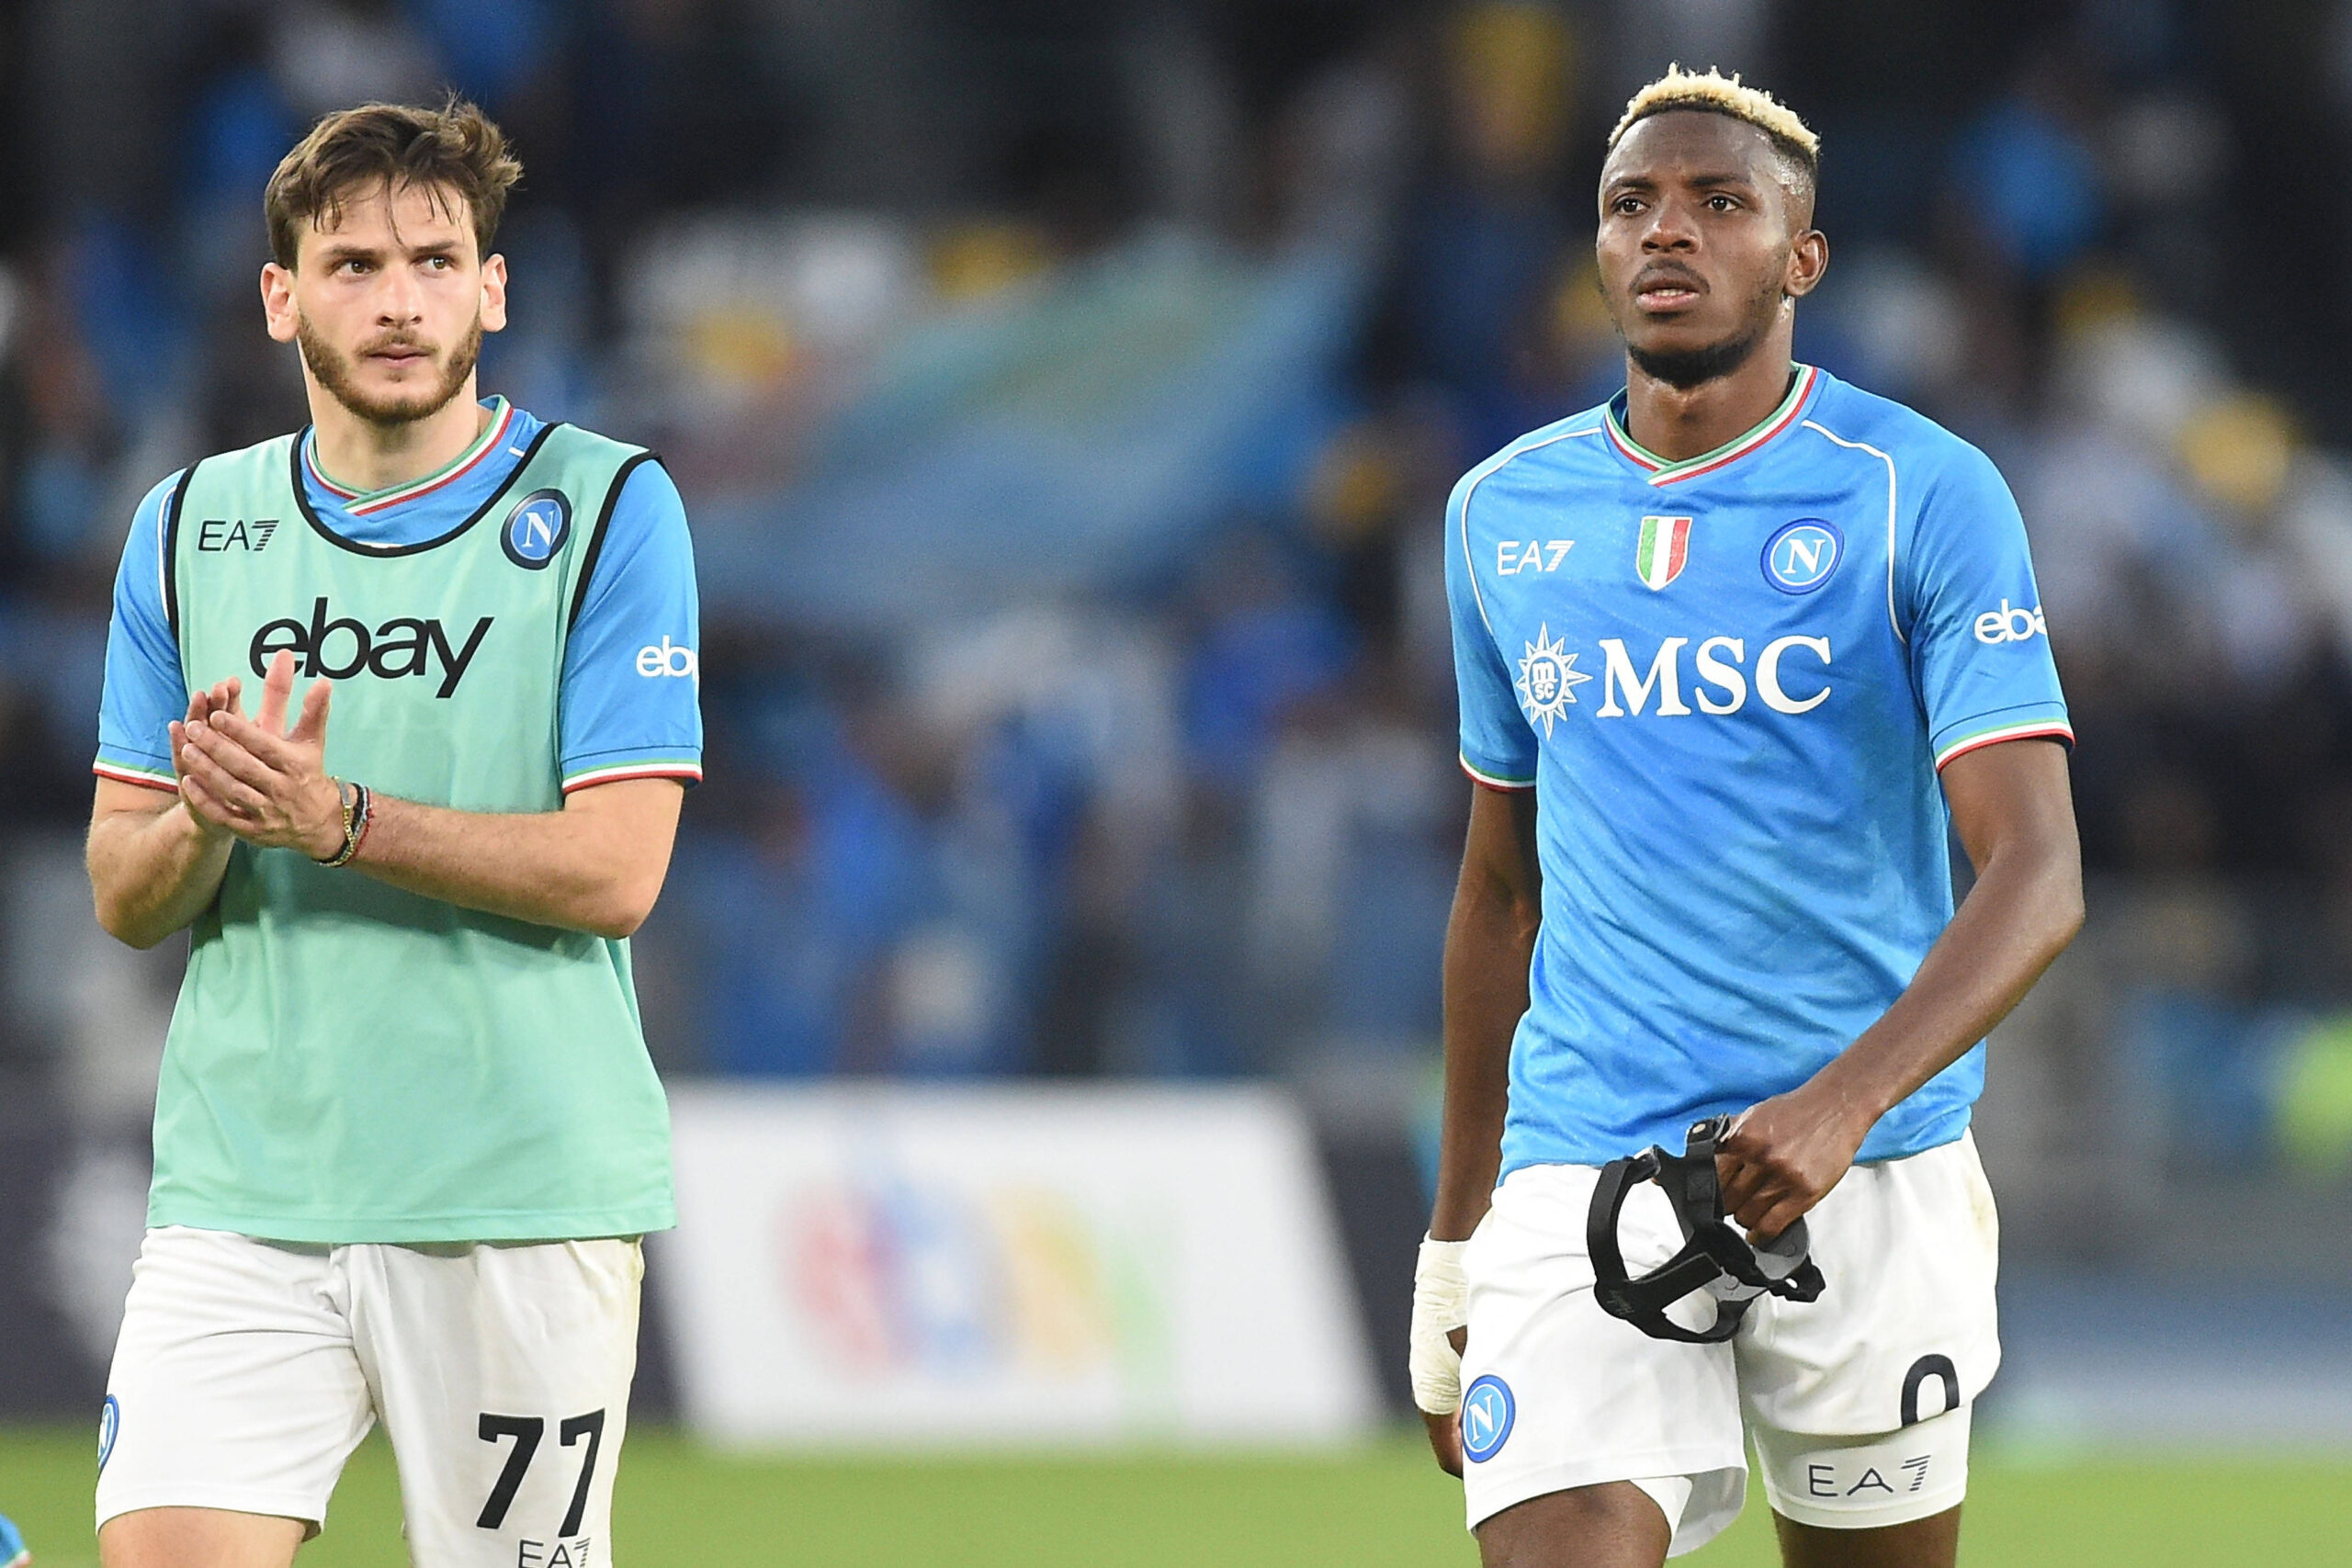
407, 1133
1735, 651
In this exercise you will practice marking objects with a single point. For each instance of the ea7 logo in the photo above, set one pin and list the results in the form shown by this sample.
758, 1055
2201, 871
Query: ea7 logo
219, 533
1721, 666
1514, 556
2008, 624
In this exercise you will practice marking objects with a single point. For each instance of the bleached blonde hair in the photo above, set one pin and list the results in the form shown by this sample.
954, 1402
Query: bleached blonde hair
1716, 93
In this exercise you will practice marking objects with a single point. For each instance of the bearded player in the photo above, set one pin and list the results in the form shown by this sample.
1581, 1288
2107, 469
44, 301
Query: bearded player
1736, 652
407, 1134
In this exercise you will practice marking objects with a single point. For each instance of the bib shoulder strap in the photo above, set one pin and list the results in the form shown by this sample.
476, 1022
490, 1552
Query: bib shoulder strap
596, 468
257, 475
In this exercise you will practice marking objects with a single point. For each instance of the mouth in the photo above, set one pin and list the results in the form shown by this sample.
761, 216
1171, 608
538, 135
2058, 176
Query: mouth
1665, 292
398, 356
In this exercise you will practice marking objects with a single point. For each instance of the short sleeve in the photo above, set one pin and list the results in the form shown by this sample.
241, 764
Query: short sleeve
632, 669
145, 689
1980, 646
1498, 747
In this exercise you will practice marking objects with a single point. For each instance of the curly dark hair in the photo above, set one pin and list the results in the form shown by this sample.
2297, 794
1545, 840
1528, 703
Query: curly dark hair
454, 152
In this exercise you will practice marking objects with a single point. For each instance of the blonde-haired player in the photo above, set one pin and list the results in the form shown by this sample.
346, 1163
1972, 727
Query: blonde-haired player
1737, 651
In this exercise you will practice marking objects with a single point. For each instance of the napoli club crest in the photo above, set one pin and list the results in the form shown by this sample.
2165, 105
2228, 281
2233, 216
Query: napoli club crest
1800, 556
536, 528
1488, 1414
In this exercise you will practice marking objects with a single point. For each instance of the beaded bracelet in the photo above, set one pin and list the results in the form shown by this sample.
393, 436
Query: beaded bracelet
356, 802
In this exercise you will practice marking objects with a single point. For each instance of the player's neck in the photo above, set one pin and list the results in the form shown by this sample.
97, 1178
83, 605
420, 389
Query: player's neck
1677, 422
363, 456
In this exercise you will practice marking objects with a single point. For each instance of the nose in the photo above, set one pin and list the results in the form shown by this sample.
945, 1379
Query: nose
400, 301
1669, 229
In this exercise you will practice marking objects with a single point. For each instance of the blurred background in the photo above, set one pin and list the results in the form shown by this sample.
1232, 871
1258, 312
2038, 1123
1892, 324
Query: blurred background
1065, 394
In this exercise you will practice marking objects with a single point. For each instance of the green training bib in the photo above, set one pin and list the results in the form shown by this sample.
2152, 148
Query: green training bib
349, 1062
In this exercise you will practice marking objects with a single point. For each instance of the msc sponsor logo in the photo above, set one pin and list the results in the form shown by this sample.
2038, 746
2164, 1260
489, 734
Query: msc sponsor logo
1800, 556
657, 660
2009, 624
1723, 676
218, 534
1488, 1412
1515, 556
536, 528
1548, 679
339, 648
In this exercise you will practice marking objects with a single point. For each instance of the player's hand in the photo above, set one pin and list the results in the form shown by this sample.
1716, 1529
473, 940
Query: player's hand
1435, 1340
201, 705
254, 777
1445, 1431
1445, 1440
1785, 1155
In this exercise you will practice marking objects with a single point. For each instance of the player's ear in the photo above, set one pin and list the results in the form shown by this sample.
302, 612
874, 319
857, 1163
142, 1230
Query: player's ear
1808, 259
277, 307
493, 293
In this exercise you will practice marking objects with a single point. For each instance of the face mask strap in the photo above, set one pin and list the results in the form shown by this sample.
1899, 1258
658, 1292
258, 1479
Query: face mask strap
1711, 1250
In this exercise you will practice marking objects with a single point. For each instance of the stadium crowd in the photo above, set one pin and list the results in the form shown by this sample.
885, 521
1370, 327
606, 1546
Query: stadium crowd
1065, 398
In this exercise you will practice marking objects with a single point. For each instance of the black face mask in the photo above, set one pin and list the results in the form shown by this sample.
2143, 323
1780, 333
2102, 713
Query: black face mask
1714, 1255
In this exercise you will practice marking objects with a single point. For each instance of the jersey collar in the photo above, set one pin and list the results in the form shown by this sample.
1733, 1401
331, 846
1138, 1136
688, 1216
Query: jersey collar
1662, 472
360, 505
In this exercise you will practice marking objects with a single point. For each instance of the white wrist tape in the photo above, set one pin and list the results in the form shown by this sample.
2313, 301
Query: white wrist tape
1441, 1306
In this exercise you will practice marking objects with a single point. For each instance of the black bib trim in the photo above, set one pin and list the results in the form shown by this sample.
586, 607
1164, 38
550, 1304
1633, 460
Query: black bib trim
171, 550
597, 536
386, 552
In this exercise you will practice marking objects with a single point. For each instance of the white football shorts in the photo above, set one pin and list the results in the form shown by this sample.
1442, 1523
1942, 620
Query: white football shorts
247, 1371
1844, 1395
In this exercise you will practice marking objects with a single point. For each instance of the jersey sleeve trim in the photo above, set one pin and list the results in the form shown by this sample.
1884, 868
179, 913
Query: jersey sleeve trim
686, 769
1494, 780
2042, 730
149, 778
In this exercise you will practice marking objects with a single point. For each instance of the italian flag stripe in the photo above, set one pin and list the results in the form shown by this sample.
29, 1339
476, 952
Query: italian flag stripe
358, 505
1493, 781
1662, 472
151, 779
686, 772
2042, 730
1665, 546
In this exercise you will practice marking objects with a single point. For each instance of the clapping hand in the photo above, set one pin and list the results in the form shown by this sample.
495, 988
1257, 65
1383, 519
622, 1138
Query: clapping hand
255, 778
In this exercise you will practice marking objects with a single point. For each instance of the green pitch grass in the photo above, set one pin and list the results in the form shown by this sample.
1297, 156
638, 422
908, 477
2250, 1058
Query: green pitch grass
683, 1506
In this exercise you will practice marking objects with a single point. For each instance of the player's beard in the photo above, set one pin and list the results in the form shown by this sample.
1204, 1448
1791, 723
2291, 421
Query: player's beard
1684, 368
335, 372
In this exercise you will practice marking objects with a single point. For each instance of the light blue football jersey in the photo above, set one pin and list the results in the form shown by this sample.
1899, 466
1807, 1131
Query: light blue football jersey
1731, 681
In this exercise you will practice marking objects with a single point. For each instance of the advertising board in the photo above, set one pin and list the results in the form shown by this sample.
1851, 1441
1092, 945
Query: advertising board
886, 1266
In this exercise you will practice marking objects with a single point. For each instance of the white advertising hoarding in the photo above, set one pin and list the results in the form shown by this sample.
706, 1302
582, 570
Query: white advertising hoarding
894, 1265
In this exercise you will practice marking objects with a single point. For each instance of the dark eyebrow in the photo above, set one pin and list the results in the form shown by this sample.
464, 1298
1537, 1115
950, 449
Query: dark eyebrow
337, 254
1647, 182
